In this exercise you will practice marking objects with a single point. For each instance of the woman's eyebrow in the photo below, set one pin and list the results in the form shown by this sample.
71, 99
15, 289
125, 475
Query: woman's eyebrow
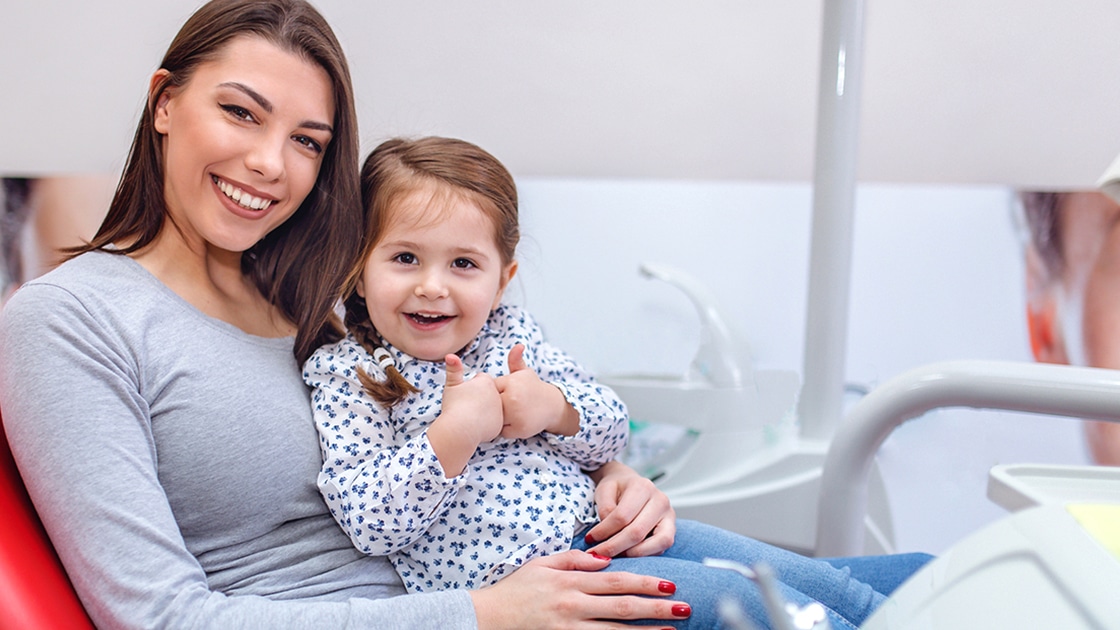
266, 105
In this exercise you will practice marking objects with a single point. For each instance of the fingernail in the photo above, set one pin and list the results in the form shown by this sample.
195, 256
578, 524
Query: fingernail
681, 610
589, 540
667, 587
599, 556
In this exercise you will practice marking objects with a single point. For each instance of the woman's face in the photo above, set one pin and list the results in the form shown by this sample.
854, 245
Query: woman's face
243, 141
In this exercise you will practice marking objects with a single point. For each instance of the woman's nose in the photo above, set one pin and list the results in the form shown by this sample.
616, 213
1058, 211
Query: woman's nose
266, 157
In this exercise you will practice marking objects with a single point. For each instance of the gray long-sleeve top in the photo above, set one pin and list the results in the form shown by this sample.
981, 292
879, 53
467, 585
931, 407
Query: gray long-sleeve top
172, 459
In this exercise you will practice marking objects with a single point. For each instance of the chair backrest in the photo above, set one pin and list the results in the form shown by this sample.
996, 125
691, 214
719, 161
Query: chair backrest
34, 589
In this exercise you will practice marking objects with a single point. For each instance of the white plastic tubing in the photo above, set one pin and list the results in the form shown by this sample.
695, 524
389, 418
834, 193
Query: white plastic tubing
834, 180
1075, 392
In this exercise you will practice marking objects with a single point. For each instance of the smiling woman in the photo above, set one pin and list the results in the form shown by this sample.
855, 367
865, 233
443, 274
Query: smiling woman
177, 475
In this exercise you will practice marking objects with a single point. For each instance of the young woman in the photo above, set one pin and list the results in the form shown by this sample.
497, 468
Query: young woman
151, 389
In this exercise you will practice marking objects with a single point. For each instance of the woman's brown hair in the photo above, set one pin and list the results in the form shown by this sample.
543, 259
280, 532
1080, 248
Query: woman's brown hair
300, 266
445, 166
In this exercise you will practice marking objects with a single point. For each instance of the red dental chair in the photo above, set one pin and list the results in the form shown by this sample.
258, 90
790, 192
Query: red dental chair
34, 590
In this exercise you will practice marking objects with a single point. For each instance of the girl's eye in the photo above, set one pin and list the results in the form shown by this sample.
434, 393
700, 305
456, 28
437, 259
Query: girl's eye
463, 263
310, 143
405, 258
238, 112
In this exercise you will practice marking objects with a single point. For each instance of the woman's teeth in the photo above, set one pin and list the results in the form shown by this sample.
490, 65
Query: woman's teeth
242, 198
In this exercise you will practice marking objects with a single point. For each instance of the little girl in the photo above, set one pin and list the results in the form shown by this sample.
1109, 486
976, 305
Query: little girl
455, 438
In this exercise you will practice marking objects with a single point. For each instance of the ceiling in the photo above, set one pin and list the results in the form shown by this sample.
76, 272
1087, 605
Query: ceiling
1008, 92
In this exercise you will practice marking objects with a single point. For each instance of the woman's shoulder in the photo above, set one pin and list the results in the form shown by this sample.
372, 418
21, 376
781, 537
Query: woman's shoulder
89, 276
85, 286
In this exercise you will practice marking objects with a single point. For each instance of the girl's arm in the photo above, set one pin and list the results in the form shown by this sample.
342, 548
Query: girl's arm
603, 424
383, 487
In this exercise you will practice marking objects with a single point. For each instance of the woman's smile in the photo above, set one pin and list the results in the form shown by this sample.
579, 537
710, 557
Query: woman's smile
240, 196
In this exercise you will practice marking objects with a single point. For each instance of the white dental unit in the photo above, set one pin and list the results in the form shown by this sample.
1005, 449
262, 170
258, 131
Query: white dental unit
750, 456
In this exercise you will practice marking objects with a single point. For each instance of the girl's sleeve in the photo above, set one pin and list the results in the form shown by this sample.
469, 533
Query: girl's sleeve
79, 430
384, 488
604, 422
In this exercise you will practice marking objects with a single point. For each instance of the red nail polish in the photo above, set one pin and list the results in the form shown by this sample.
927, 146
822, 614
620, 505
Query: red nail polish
588, 539
681, 610
599, 556
667, 587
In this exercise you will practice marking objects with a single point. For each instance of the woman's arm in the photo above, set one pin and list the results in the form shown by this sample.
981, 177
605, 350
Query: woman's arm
80, 430
636, 518
566, 591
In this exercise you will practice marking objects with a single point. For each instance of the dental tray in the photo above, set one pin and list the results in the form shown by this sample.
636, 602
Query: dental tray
1018, 486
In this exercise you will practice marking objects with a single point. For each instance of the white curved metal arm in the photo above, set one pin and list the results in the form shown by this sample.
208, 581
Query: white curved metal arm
1076, 392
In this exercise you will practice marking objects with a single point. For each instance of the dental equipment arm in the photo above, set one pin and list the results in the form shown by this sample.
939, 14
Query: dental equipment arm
717, 359
1061, 390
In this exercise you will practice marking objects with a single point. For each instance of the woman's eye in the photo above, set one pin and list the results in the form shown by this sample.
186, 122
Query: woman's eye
310, 143
238, 112
463, 263
405, 259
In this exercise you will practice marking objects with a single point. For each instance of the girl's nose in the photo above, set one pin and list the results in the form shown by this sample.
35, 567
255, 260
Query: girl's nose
431, 286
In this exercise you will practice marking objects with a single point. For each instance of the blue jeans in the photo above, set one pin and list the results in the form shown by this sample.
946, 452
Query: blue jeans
848, 601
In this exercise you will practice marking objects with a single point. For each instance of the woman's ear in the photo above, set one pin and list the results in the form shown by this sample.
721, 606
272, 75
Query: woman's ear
158, 96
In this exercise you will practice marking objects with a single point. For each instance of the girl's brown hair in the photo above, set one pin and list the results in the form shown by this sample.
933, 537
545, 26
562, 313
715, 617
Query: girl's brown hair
300, 266
393, 170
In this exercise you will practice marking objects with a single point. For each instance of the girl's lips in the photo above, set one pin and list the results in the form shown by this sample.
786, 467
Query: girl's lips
427, 322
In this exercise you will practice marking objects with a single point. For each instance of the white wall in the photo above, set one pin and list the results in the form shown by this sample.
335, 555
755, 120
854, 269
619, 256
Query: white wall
960, 91
937, 275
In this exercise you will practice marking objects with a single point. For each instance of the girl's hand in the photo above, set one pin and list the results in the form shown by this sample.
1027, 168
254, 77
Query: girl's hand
531, 405
635, 516
471, 415
563, 591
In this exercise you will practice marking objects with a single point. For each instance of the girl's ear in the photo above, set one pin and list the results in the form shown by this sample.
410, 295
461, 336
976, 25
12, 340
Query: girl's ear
360, 285
158, 97
507, 275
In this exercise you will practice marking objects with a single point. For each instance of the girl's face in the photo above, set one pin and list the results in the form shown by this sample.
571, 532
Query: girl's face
434, 275
243, 141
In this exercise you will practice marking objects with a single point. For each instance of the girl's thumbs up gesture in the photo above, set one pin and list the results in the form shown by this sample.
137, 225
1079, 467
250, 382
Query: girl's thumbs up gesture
530, 405
471, 415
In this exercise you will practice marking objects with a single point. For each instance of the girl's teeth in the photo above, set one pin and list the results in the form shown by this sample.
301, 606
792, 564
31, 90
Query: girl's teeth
243, 198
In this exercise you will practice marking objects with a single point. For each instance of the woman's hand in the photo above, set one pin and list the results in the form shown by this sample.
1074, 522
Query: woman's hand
635, 518
564, 591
